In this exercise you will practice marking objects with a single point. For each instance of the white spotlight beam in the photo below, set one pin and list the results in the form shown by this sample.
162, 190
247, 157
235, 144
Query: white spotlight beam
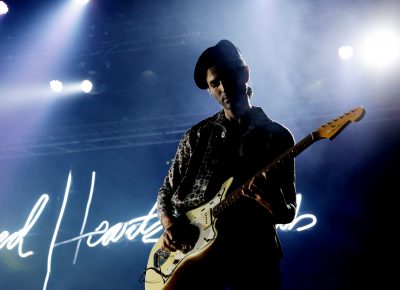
82, 2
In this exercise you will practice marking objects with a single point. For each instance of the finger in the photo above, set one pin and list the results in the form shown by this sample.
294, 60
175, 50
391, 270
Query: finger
251, 190
255, 189
168, 244
247, 192
168, 233
264, 203
256, 183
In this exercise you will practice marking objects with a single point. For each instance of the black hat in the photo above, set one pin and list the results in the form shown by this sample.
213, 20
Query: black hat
222, 54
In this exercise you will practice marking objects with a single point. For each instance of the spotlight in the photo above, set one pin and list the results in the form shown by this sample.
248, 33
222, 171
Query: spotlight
381, 48
82, 2
3, 8
56, 86
86, 86
346, 52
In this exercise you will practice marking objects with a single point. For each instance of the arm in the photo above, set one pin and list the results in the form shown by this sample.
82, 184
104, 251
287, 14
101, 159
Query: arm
173, 180
278, 196
277, 191
171, 183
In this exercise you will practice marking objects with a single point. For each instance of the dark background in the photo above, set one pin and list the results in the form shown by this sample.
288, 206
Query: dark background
140, 56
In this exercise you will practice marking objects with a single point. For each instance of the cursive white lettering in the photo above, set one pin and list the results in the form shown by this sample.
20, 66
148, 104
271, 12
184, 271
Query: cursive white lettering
18, 237
148, 226
297, 219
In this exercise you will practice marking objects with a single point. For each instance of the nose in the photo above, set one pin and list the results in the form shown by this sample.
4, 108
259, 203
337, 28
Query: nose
221, 87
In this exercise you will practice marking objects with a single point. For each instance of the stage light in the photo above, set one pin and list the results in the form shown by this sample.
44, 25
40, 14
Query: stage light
3, 8
82, 2
56, 86
381, 48
346, 52
86, 86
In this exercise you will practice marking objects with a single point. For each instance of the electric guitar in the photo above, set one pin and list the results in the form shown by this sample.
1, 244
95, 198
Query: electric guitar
163, 267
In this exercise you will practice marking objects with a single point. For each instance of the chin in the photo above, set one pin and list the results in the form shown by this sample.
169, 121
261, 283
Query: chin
227, 107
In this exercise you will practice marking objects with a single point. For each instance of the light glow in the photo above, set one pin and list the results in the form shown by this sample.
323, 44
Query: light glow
82, 2
3, 8
381, 48
346, 52
56, 86
86, 86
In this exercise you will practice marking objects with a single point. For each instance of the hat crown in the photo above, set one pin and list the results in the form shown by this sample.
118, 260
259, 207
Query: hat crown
229, 50
224, 53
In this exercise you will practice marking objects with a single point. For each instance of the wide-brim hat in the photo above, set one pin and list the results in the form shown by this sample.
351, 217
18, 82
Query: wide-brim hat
223, 54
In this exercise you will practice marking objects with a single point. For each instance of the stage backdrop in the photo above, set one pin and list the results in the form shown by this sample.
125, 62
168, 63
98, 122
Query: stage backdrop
79, 173
87, 220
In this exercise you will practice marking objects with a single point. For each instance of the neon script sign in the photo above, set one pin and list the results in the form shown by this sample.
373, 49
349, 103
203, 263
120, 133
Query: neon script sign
147, 226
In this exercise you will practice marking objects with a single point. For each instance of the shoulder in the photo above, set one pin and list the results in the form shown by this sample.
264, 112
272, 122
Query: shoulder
276, 129
281, 130
192, 134
208, 122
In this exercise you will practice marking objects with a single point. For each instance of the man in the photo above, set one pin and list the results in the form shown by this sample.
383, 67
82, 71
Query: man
236, 142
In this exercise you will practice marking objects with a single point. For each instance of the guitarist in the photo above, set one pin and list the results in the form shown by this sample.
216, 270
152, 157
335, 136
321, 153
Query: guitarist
238, 141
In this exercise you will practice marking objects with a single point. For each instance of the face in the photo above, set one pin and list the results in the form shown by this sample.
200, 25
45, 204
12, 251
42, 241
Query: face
228, 86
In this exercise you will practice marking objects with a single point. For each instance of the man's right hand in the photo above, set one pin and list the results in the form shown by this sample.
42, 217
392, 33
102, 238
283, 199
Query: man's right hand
179, 236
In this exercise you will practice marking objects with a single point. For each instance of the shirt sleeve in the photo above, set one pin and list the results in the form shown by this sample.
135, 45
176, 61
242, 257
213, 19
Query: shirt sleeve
174, 177
286, 180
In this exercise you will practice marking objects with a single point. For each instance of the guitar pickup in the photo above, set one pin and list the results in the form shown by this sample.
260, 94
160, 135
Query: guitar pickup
160, 257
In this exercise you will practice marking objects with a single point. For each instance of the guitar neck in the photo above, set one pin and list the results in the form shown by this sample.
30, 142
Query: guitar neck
264, 172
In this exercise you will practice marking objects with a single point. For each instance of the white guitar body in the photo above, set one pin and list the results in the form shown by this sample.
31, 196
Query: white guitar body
163, 267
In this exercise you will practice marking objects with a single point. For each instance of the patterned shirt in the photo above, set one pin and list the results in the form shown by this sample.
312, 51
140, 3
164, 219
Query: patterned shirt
214, 150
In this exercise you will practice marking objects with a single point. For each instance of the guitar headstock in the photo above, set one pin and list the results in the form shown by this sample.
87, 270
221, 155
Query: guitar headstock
332, 128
